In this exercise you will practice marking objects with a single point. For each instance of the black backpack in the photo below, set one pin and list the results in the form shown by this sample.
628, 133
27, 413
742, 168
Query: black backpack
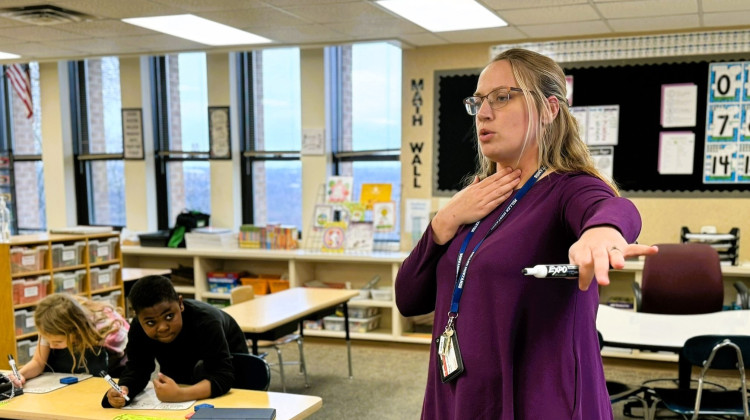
186, 221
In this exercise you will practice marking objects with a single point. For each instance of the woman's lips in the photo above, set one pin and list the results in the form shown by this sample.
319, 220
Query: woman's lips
485, 135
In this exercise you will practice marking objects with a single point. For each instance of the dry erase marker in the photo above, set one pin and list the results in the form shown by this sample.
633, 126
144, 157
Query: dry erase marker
113, 384
552, 270
12, 363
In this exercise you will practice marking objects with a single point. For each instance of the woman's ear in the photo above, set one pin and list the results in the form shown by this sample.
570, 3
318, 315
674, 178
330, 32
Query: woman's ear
554, 108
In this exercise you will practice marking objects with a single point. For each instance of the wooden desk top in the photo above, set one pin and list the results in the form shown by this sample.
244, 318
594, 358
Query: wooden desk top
270, 311
627, 328
83, 401
132, 274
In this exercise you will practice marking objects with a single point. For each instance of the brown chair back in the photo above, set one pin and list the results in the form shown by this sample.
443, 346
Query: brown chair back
683, 279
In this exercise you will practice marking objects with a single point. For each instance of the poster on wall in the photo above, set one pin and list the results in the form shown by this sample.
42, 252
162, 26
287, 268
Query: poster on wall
218, 130
132, 134
727, 138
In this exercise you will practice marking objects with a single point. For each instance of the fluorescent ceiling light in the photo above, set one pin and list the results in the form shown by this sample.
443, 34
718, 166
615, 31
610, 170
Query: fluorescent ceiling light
197, 29
7, 56
444, 15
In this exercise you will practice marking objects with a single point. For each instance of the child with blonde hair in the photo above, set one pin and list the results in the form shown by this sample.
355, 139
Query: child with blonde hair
76, 335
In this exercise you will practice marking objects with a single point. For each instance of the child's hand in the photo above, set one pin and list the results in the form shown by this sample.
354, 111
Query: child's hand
166, 389
116, 399
17, 382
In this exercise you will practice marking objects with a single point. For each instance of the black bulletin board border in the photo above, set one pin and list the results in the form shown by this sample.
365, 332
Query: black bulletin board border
455, 146
634, 85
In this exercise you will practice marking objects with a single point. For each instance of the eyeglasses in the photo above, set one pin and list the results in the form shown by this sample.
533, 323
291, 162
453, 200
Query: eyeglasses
498, 98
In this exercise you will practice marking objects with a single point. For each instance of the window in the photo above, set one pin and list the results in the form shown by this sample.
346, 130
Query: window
97, 132
271, 132
22, 147
366, 118
180, 98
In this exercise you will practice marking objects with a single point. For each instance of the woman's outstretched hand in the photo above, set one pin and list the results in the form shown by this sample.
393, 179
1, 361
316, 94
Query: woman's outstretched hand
600, 248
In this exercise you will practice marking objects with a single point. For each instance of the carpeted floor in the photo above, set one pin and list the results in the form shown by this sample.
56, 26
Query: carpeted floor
389, 379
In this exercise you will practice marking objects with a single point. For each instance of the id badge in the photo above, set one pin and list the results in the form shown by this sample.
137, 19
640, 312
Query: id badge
450, 364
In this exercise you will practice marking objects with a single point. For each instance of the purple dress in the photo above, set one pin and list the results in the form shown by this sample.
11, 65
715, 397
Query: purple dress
529, 345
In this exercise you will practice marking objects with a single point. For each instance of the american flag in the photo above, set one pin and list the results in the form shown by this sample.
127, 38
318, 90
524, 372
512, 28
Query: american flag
19, 77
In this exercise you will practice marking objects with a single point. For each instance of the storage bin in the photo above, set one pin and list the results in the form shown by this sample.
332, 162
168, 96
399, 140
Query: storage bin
103, 277
362, 311
65, 255
382, 293
99, 251
154, 239
24, 321
24, 260
25, 350
114, 244
260, 285
112, 298
68, 282
277, 285
336, 323
28, 290
312, 324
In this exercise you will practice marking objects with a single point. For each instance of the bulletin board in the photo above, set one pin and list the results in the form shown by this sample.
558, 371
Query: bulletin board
635, 87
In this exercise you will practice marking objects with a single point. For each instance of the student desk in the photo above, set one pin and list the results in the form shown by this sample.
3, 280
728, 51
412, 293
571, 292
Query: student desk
626, 328
83, 401
277, 314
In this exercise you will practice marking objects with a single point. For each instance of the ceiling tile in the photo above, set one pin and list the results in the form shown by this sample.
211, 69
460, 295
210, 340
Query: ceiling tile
557, 14
515, 4
257, 16
657, 23
119, 9
376, 30
560, 30
211, 5
739, 18
156, 40
709, 6
503, 34
345, 12
647, 8
423, 39
37, 33
33, 50
310, 33
109, 28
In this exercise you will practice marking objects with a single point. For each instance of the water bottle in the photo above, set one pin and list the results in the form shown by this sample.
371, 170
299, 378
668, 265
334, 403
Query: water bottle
4, 221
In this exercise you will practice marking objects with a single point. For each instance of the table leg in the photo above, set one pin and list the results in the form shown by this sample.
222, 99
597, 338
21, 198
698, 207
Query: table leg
255, 346
348, 340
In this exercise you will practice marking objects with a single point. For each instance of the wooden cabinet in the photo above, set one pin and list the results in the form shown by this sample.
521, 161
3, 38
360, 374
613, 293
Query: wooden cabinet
33, 266
300, 267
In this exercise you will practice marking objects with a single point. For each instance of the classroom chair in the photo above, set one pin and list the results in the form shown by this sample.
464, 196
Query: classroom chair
250, 372
243, 293
726, 352
681, 279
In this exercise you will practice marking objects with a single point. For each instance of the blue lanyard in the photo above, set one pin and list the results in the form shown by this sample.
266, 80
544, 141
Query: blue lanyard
461, 274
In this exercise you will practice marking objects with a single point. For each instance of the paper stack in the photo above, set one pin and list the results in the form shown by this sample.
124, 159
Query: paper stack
210, 237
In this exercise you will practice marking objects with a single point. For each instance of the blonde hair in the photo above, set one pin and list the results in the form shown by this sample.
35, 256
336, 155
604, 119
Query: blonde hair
560, 146
75, 318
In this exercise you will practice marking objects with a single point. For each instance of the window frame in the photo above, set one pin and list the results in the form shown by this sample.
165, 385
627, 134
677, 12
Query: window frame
249, 154
83, 179
163, 155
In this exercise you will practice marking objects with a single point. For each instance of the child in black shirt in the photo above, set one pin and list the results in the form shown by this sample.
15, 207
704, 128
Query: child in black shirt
191, 340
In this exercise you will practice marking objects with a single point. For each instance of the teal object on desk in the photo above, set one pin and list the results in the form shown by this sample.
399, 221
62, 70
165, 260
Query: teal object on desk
235, 413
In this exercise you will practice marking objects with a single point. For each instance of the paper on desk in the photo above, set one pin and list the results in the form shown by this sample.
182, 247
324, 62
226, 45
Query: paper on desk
146, 400
49, 381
